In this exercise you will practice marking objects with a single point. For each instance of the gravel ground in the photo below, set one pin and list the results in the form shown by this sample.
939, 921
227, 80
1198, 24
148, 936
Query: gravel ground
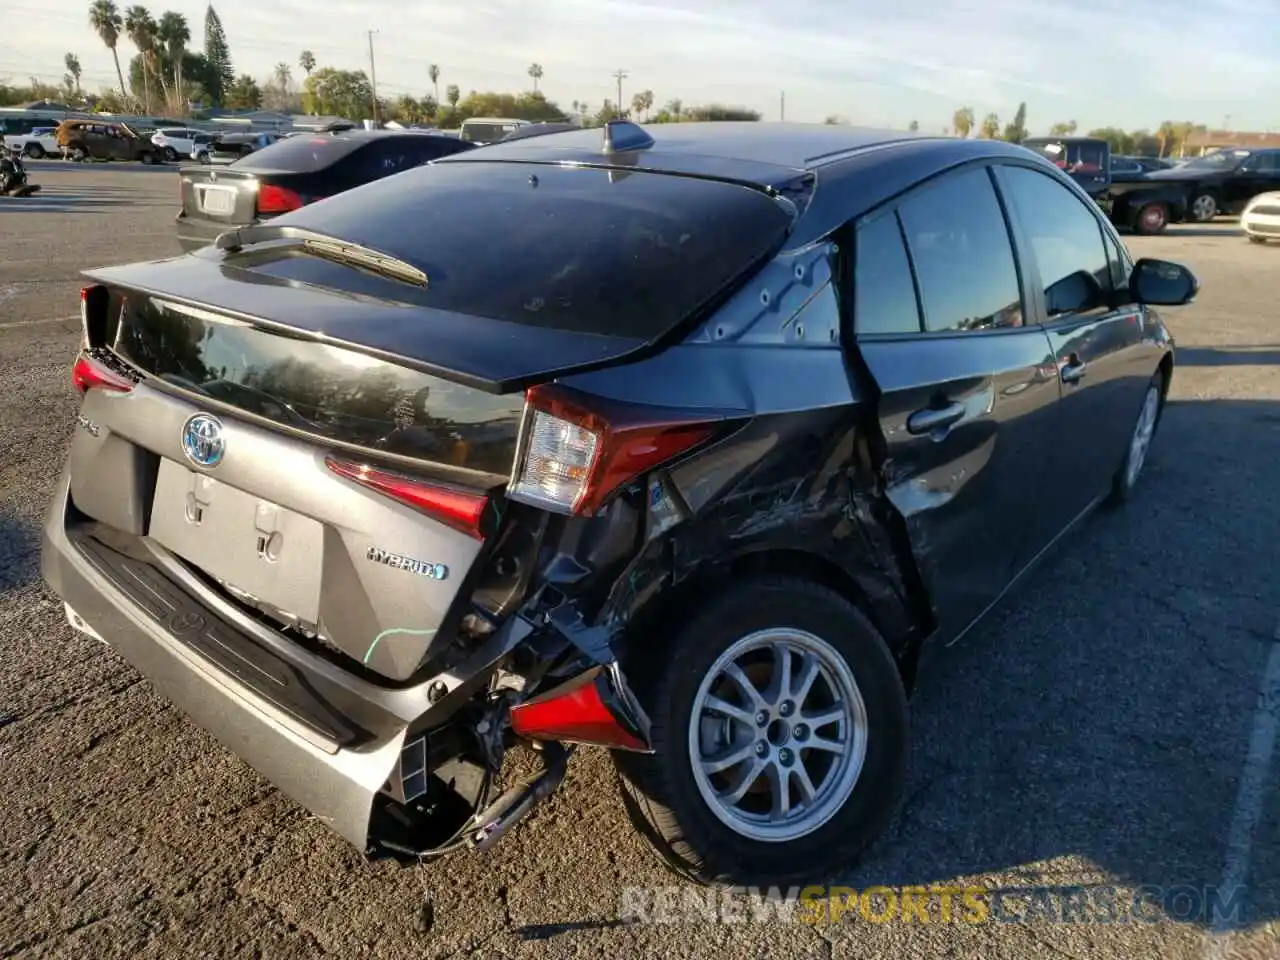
1104, 727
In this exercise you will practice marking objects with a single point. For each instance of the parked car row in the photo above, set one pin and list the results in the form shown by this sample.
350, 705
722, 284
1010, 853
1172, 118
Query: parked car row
1145, 196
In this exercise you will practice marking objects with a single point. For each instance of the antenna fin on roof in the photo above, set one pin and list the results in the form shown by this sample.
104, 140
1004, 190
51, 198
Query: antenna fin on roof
623, 136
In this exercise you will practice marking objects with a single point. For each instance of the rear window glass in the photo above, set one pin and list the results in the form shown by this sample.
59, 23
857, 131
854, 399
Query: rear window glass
618, 253
1073, 157
302, 154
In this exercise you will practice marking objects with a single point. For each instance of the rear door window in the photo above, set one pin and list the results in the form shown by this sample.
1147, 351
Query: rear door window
619, 253
960, 246
303, 154
884, 294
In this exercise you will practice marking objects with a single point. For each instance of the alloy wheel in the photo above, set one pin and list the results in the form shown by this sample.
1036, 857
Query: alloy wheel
1143, 431
778, 735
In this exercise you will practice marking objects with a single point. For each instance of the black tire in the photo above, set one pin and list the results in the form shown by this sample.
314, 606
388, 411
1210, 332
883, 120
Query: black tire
1151, 219
1254, 238
203, 158
34, 151
659, 791
149, 158
1125, 480
77, 153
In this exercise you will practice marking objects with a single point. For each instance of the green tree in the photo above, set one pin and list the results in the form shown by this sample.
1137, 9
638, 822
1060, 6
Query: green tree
104, 17
173, 34
341, 93
1016, 132
1119, 140
535, 71
962, 121
307, 62
1061, 129
642, 103
453, 95
990, 128
914, 126
278, 92
73, 70
433, 72
720, 112
217, 53
243, 94
835, 120
141, 28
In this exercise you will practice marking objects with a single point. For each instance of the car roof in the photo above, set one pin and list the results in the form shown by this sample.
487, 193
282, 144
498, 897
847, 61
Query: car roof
850, 170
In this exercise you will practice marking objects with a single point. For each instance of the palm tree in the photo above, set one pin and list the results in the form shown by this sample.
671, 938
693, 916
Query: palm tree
307, 62
173, 32
535, 71
1165, 137
105, 18
962, 121
141, 28
453, 94
283, 76
73, 68
433, 72
642, 102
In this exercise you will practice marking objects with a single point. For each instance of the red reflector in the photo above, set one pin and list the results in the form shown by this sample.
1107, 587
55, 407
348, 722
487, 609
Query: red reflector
459, 509
87, 373
273, 199
579, 711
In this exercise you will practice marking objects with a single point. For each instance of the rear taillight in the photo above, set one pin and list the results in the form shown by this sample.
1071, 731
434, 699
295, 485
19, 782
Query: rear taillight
273, 199
88, 374
462, 510
572, 459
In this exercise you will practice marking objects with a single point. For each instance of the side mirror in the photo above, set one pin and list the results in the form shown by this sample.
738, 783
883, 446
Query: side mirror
1161, 283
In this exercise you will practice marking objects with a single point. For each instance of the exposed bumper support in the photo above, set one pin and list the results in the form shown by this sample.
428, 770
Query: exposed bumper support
595, 707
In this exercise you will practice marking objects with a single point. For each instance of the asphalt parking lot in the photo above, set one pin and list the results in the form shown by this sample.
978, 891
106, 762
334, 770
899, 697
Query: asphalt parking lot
1104, 729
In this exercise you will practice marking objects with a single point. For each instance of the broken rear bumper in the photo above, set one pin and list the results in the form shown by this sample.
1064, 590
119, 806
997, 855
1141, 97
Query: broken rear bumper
337, 783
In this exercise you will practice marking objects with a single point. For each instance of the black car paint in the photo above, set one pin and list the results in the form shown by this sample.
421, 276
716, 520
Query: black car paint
196, 230
1233, 186
818, 477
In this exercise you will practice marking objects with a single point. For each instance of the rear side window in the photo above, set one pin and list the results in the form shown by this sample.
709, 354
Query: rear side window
1067, 241
619, 253
884, 295
383, 157
304, 154
963, 258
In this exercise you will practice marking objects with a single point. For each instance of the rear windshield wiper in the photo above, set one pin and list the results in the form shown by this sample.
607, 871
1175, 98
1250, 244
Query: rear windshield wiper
323, 245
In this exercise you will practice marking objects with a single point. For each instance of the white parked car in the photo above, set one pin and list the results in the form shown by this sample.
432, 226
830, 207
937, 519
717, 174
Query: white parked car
175, 141
39, 143
1261, 218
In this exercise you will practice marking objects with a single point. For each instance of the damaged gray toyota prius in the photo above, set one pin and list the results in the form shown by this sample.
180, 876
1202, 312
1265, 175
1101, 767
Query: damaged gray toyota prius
678, 443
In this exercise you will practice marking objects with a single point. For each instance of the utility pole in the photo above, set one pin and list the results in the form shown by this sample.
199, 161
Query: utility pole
782, 108
373, 77
619, 76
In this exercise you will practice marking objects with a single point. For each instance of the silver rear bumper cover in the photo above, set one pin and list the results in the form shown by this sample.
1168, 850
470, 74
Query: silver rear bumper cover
338, 786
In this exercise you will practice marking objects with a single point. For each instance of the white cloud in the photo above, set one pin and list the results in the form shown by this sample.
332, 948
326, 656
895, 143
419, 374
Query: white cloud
1130, 64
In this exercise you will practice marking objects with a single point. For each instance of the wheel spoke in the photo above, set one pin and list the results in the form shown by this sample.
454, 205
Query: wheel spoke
780, 686
729, 757
825, 718
804, 680
730, 710
750, 775
780, 792
822, 743
748, 689
804, 786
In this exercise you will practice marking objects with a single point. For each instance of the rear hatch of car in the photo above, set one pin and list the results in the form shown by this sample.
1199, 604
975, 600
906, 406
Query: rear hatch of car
365, 412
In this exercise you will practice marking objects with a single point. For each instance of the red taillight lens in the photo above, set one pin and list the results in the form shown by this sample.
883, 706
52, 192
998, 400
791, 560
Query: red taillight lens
573, 459
460, 509
273, 199
88, 373
586, 709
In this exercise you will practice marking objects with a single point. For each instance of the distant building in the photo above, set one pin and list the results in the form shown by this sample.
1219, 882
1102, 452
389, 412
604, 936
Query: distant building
1198, 144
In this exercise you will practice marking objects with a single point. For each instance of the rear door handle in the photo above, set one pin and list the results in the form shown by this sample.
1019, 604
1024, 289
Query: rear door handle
934, 418
1074, 372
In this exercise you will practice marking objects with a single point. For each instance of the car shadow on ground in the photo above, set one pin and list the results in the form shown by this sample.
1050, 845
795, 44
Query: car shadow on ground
1093, 729
58, 201
1205, 231
19, 553
1241, 356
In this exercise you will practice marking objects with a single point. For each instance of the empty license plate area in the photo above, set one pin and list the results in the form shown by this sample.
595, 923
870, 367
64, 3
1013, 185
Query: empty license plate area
255, 546
216, 200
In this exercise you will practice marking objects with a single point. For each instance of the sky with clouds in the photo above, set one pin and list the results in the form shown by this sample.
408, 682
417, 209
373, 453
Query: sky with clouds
1130, 63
